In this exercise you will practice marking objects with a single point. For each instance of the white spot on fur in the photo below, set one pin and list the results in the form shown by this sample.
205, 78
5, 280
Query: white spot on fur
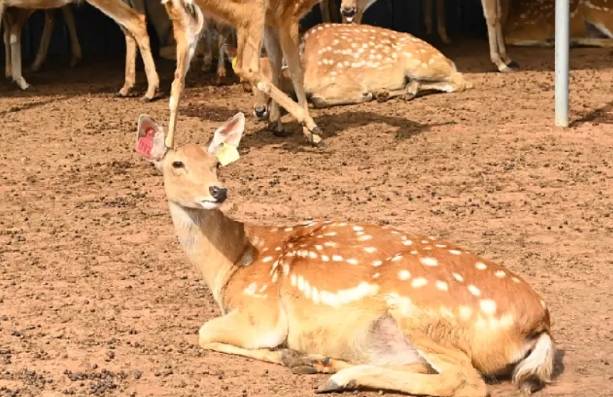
377, 263
455, 252
488, 306
365, 237
500, 274
474, 290
267, 259
480, 266
352, 261
428, 261
337, 258
465, 312
441, 285
458, 277
404, 275
370, 250
419, 282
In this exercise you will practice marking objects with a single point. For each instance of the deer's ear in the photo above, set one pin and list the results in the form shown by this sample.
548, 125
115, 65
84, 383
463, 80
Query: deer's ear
150, 139
230, 133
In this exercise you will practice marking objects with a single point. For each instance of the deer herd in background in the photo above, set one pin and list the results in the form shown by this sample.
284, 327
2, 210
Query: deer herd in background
421, 316
274, 24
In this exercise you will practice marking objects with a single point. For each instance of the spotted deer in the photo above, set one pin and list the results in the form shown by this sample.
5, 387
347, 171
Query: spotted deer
375, 306
494, 11
352, 11
349, 63
130, 20
273, 22
532, 23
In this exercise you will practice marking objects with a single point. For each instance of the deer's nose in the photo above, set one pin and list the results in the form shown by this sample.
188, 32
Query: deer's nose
219, 193
260, 111
348, 12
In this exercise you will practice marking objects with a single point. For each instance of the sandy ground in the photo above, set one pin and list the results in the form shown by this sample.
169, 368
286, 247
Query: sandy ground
96, 297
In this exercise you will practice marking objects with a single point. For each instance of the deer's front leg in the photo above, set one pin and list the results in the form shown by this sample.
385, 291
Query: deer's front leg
235, 333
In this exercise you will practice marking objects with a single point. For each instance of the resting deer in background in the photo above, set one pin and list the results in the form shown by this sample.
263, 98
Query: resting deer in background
417, 315
352, 11
349, 63
533, 23
494, 11
254, 20
131, 22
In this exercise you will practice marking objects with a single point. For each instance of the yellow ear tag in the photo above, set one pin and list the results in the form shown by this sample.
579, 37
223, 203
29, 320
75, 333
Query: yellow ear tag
227, 154
234, 63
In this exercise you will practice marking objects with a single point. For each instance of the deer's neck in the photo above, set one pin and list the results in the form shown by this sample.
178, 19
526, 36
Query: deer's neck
213, 242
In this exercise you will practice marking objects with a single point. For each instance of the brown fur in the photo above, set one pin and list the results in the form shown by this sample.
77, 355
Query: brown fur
533, 23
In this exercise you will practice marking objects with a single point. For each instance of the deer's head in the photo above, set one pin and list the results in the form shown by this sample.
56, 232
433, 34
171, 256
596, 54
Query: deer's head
190, 172
349, 10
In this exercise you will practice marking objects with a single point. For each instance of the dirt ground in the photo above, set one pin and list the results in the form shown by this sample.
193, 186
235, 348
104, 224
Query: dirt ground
97, 298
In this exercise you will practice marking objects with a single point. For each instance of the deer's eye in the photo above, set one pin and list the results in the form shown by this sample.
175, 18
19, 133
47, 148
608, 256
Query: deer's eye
178, 164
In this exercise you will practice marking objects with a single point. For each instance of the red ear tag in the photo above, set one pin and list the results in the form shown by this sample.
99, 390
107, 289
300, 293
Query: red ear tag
145, 143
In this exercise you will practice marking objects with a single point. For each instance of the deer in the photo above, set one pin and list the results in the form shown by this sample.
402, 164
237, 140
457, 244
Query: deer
349, 64
43, 48
14, 14
352, 11
533, 23
273, 22
374, 306
494, 12
130, 20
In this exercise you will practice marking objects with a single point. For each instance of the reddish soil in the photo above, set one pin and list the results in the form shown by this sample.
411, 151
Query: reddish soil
96, 297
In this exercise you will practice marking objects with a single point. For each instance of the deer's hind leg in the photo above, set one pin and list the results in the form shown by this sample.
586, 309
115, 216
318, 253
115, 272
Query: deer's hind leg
453, 375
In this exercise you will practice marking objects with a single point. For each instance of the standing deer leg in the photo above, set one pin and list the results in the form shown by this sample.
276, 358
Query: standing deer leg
494, 30
43, 47
207, 54
289, 39
324, 7
275, 55
248, 67
135, 24
6, 36
130, 68
21, 17
441, 21
222, 37
75, 47
428, 18
186, 38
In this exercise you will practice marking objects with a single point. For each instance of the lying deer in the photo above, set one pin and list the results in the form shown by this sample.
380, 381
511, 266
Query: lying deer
533, 23
131, 22
378, 307
276, 20
352, 11
349, 64
494, 11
